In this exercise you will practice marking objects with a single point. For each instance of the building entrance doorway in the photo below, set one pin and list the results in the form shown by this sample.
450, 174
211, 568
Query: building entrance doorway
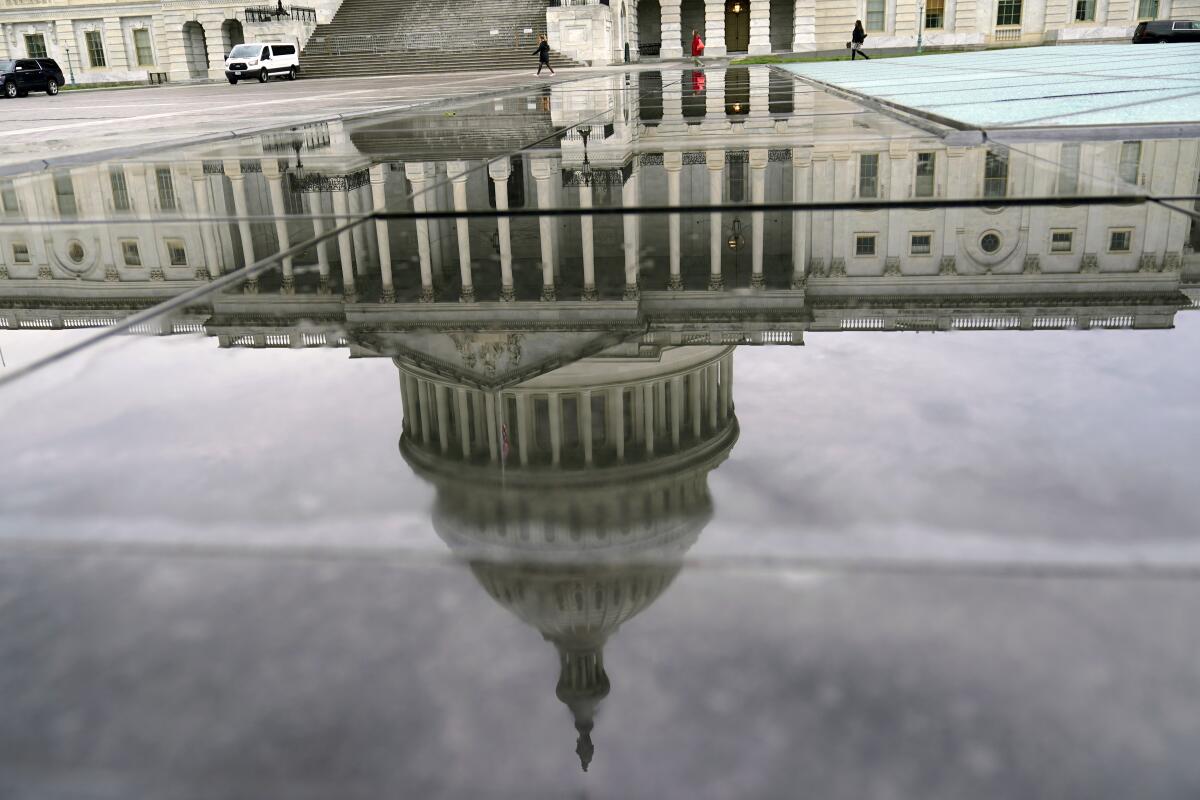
195, 49
737, 25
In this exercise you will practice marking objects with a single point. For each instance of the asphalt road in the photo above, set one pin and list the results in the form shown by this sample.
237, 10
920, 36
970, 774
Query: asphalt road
38, 129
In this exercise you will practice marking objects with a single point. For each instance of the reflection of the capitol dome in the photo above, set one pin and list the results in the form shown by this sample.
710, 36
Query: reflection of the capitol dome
584, 521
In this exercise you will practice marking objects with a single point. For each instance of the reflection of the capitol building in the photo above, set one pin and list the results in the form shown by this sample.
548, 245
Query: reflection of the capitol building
575, 494
742, 138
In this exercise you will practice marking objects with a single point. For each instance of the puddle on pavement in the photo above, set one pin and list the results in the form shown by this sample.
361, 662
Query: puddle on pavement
522, 369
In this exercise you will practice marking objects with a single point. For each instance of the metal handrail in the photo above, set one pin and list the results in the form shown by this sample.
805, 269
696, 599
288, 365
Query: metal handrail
407, 41
268, 14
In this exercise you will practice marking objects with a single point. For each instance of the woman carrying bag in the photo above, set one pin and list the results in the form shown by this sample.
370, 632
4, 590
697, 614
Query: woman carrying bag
857, 37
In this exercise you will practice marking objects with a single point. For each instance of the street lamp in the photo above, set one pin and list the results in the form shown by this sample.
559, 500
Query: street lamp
920, 24
70, 67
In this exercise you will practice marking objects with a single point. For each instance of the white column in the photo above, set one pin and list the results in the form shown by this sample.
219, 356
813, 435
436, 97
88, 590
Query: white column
804, 25
464, 422
760, 27
543, 170
523, 427
382, 235
424, 401
275, 185
695, 393
362, 253
726, 386
714, 102
585, 424
493, 432
588, 243
671, 34
555, 429
345, 248
629, 234
710, 374
714, 28
758, 195
676, 409
648, 416
233, 170
457, 170
443, 417
760, 99
416, 174
322, 246
672, 96
716, 180
801, 220
499, 171
616, 417
212, 260
673, 163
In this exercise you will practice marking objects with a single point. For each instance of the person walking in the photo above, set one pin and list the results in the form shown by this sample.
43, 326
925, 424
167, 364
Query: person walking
857, 37
543, 54
697, 48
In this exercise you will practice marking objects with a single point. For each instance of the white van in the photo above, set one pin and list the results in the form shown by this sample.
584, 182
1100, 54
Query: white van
261, 60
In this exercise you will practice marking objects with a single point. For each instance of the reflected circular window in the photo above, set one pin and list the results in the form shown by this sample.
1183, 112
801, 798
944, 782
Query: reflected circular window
990, 242
75, 252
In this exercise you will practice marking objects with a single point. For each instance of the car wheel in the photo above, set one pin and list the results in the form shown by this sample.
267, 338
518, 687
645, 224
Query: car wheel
291, 76
10, 89
233, 80
52, 87
262, 76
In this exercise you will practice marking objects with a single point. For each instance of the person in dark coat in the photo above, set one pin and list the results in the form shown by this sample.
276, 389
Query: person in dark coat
857, 37
543, 54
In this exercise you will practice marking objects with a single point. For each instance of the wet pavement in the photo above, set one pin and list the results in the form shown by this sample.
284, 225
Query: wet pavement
656, 434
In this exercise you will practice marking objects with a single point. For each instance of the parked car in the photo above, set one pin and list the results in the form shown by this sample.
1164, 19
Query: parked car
261, 60
21, 76
1167, 30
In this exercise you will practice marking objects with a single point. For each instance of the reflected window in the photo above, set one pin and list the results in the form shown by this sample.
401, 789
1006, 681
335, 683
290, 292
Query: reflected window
177, 252
1120, 240
35, 45
20, 253
166, 189
64, 194
1131, 162
1068, 169
1085, 10
120, 189
1062, 241
868, 175
935, 14
921, 244
995, 174
130, 252
864, 244
923, 185
8, 198
1008, 12
875, 15
1147, 9
95, 48
145, 50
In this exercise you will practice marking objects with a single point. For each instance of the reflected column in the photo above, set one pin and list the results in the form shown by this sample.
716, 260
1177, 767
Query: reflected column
317, 206
715, 160
673, 163
341, 210
278, 208
588, 244
233, 170
204, 208
499, 171
457, 170
629, 199
416, 174
758, 195
382, 235
543, 171
801, 193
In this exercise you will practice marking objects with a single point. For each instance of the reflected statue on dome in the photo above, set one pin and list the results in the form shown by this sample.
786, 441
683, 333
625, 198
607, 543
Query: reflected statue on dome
573, 496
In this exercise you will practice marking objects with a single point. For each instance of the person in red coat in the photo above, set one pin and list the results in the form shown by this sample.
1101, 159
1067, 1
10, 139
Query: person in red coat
697, 47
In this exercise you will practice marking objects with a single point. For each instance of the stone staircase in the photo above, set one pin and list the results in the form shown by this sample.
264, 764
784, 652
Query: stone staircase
389, 37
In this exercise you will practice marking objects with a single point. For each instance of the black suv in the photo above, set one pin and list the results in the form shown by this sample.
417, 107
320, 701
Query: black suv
1167, 30
24, 75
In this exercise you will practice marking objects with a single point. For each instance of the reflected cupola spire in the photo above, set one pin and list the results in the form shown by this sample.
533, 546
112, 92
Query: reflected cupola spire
582, 684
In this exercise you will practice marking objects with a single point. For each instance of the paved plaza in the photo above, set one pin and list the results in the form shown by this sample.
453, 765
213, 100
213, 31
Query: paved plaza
737, 432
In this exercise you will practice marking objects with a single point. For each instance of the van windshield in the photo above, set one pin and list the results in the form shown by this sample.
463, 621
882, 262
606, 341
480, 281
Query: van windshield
246, 51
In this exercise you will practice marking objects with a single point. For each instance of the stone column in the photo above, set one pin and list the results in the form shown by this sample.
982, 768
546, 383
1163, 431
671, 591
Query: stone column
585, 424
457, 170
673, 163
382, 235
358, 232
233, 170
555, 429
714, 28
726, 386
322, 246
760, 28
760, 99
672, 97
676, 409
341, 210
443, 417
804, 25
523, 427
695, 390
493, 434
710, 398
424, 401
671, 32
758, 195
204, 209
215, 46
499, 171
648, 416
589, 255
715, 160
616, 416
801, 220
543, 171
629, 199
464, 422
416, 174
714, 101
278, 208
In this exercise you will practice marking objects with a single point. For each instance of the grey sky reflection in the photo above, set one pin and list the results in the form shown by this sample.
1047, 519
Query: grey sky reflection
901, 441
